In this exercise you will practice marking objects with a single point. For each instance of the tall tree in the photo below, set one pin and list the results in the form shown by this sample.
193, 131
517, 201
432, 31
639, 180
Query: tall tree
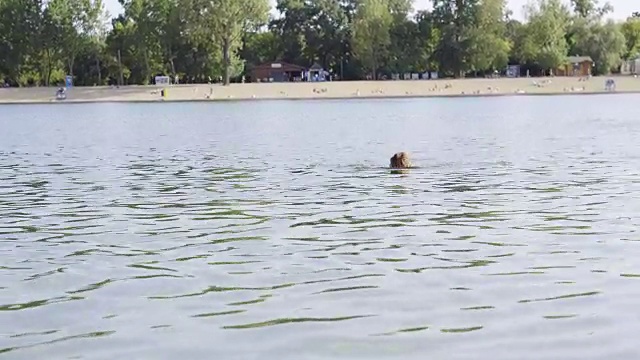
522, 47
21, 29
261, 47
141, 23
405, 49
604, 43
489, 47
76, 21
429, 36
546, 32
370, 37
325, 32
290, 28
590, 35
226, 21
455, 20
631, 32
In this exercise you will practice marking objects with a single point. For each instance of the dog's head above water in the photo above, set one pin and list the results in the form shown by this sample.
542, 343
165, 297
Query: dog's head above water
400, 161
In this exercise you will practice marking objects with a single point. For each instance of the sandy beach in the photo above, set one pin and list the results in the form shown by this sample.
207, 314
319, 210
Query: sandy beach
326, 90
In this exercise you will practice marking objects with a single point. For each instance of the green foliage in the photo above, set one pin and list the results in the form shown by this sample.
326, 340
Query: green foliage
225, 22
42, 41
546, 29
631, 31
589, 35
604, 43
371, 33
489, 48
457, 23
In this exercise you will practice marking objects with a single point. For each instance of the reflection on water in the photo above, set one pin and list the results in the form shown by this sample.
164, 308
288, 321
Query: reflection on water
159, 231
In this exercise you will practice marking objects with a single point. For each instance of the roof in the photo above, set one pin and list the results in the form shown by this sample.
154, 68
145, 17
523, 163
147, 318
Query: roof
316, 67
579, 59
279, 65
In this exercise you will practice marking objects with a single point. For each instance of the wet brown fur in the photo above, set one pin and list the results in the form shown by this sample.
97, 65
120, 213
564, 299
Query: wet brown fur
400, 161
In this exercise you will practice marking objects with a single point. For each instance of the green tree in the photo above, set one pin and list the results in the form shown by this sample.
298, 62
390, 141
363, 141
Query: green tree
290, 29
631, 31
171, 23
455, 20
590, 35
489, 47
261, 47
74, 21
140, 31
405, 48
429, 36
20, 39
546, 33
120, 46
370, 37
589, 8
326, 32
523, 50
400, 9
604, 43
225, 22
413, 42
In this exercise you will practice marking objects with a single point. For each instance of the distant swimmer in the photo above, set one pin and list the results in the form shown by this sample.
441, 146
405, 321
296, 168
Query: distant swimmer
400, 161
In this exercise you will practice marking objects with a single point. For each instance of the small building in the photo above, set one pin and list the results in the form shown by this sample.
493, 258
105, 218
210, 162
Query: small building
316, 73
576, 66
277, 72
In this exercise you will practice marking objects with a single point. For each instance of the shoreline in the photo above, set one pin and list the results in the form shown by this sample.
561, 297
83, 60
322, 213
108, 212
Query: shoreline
232, 100
347, 90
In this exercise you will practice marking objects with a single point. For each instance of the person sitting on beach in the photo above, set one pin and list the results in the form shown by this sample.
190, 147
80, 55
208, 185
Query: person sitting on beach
400, 161
61, 93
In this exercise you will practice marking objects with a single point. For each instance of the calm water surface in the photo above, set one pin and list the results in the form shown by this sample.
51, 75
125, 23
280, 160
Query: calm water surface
272, 230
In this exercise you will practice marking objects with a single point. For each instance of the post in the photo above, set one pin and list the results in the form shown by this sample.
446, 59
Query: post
120, 67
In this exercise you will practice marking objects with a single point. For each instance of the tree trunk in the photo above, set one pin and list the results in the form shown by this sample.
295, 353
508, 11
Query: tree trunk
47, 78
325, 61
121, 78
99, 71
173, 66
375, 65
71, 61
227, 60
147, 71
375, 70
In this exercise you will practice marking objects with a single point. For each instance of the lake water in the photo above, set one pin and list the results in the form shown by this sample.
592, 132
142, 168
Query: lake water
272, 230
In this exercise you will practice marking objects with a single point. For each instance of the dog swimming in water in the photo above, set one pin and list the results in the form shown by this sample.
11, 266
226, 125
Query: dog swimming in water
400, 161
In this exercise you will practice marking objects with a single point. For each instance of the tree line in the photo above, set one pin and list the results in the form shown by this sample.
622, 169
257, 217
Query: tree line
42, 41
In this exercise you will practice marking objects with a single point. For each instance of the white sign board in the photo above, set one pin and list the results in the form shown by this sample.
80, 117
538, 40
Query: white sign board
162, 80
